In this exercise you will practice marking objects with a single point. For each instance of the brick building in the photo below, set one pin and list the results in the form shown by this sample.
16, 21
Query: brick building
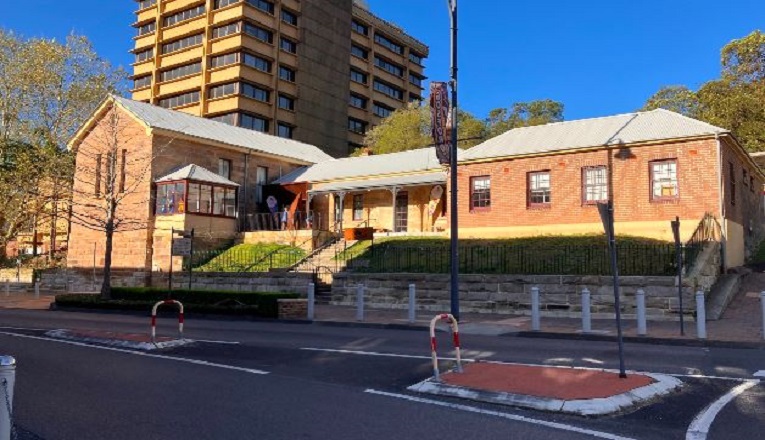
168, 170
655, 165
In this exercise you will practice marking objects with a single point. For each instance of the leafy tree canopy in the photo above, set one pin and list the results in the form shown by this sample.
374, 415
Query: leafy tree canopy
409, 128
524, 114
735, 101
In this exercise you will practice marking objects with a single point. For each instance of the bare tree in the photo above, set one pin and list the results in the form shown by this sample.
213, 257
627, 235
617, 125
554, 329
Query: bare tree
112, 182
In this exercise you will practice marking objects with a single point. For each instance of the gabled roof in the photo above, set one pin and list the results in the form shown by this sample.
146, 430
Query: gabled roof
406, 162
629, 128
153, 116
195, 173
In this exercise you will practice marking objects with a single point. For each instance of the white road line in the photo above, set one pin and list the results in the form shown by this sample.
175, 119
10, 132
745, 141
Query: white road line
140, 353
397, 355
699, 428
216, 342
373, 353
503, 415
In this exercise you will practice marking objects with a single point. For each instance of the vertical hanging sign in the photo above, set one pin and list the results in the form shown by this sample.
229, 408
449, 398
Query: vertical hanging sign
439, 120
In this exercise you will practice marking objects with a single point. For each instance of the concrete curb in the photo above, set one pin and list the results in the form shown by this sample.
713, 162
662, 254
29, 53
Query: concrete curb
586, 407
145, 346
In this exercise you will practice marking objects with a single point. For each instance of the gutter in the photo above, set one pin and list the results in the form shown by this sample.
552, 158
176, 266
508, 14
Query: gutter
723, 231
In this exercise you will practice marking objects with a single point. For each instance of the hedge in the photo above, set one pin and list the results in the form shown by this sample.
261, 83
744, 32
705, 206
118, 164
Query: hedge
201, 301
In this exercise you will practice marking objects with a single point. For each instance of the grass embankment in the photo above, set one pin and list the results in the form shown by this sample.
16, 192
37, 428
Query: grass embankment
248, 258
195, 301
564, 255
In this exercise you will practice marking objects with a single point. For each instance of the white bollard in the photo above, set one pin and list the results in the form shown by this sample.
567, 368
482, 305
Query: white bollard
37, 290
641, 324
701, 316
412, 293
535, 325
311, 300
586, 312
360, 302
762, 303
7, 380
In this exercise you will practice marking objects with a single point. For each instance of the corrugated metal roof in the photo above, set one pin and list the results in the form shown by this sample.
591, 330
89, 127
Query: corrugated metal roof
412, 161
179, 122
612, 130
383, 182
195, 172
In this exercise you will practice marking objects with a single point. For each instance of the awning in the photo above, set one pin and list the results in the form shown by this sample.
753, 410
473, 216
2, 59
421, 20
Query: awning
381, 183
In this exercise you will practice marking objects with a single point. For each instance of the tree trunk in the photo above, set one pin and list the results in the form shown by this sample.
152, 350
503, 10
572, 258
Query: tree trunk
106, 286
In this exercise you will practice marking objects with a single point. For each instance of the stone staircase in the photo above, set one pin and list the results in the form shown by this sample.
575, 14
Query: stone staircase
324, 265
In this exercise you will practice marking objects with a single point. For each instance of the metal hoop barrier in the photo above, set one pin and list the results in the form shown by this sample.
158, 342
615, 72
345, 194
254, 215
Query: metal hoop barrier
154, 319
455, 336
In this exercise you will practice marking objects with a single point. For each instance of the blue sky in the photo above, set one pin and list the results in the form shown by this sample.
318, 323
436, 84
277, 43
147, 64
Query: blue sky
598, 57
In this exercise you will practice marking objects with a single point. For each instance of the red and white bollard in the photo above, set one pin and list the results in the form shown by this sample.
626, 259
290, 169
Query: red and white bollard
154, 319
455, 336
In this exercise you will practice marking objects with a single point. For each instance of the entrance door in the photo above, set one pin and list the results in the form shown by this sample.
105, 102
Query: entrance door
402, 212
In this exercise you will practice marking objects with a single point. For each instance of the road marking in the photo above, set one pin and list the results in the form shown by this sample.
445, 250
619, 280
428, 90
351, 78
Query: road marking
760, 373
25, 328
503, 415
397, 355
373, 353
140, 353
216, 342
699, 428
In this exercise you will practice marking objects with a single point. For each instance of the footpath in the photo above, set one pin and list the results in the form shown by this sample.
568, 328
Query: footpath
582, 391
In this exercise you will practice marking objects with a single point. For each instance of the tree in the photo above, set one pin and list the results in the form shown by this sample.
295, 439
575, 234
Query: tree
47, 90
408, 128
112, 182
679, 99
735, 101
524, 114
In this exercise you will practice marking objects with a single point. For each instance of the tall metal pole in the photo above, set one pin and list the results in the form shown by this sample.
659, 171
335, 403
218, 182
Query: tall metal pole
455, 300
617, 301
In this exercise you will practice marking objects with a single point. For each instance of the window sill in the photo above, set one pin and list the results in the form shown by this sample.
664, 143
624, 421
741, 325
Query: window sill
665, 201
181, 50
180, 78
479, 210
539, 206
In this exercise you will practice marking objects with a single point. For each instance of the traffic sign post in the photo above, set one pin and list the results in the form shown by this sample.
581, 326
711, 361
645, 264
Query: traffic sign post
606, 211
676, 232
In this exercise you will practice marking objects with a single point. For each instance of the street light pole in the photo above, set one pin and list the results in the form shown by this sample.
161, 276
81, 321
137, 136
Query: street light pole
455, 300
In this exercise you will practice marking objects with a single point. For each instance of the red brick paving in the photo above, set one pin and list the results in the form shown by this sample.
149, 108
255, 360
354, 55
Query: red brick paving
548, 382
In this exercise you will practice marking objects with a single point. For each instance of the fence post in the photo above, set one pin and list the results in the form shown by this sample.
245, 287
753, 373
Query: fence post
701, 316
311, 300
412, 293
535, 309
641, 323
360, 302
37, 290
586, 312
762, 303
7, 380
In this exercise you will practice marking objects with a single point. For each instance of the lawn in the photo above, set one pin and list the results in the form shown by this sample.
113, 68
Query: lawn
566, 255
248, 258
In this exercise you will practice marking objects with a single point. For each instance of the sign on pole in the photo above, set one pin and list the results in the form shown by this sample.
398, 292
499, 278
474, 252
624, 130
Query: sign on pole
439, 120
181, 247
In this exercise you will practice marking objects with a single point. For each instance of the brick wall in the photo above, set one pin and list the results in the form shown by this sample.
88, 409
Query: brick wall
631, 177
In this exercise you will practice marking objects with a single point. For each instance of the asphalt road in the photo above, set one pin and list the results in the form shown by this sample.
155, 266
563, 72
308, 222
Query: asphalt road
327, 382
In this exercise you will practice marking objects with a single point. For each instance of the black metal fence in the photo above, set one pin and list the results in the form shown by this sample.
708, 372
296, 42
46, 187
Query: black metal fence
707, 231
634, 259
282, 220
